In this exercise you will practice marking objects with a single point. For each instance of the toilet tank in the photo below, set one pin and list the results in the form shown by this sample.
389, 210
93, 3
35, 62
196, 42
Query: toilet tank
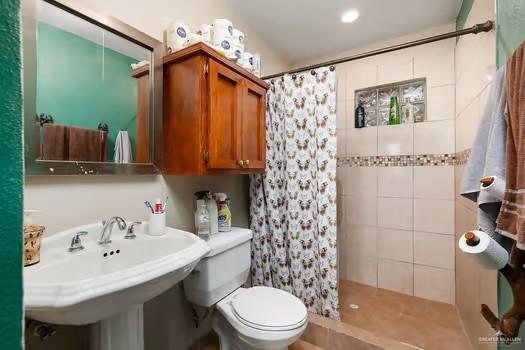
223, 270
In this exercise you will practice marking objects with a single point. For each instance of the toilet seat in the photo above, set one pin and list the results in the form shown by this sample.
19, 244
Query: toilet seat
263, 308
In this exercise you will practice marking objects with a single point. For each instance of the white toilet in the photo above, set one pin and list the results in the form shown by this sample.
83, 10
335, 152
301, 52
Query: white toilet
245, 318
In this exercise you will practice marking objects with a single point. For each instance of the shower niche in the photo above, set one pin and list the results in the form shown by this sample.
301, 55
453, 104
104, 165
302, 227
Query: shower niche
376, 101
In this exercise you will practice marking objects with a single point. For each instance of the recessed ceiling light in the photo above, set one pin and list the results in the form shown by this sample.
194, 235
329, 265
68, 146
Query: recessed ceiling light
350, 16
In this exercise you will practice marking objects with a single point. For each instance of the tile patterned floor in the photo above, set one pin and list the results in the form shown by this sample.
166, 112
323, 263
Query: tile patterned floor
418, 322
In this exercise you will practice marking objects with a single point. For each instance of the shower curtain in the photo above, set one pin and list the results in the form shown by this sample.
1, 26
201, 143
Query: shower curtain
293, 204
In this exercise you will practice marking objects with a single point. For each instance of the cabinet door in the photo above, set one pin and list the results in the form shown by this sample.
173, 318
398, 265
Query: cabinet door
253, 129
225, 103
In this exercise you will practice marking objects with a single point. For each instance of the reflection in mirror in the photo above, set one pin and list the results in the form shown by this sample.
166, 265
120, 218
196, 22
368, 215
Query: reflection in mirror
93, 89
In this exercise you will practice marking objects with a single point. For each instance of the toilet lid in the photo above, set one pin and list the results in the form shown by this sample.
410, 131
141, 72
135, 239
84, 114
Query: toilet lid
269, 309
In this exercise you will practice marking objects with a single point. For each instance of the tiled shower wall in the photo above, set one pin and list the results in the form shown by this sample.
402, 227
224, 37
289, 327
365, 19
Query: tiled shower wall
396, 226
475, 66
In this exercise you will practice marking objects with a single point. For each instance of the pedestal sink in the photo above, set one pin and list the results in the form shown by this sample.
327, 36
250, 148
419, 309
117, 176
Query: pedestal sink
107, 284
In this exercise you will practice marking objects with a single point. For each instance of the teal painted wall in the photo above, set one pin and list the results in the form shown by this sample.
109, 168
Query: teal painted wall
11, 177
510, 33
81, 83
466, 6
511, 27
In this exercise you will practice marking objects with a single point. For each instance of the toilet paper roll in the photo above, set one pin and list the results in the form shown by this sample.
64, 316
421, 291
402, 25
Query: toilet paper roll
177, 36
247, 61
225, 49
496, 188
205, 30
222, 26
257, 64
487, 252
222, 36
195, 38
238, 51
238, 37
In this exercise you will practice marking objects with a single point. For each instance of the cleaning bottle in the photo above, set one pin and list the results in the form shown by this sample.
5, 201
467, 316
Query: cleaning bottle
225, 216
207, 198
203, 221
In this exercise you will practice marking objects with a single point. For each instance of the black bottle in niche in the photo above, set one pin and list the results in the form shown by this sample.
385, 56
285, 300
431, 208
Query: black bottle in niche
359, 117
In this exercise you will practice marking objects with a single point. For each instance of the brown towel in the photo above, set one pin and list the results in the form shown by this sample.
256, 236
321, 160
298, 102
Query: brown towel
511, 219
87, 145
54, 146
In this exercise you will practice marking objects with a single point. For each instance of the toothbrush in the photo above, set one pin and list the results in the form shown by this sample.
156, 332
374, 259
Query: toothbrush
165, 204
148, 204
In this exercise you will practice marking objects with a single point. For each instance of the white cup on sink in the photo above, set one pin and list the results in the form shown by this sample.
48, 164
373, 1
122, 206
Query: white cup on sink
157, 224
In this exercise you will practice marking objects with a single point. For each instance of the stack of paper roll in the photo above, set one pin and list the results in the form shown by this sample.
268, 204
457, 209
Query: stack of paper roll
221, 35
485, 250
238, 44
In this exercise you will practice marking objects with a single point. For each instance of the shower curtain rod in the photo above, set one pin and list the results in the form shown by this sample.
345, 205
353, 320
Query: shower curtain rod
475, 29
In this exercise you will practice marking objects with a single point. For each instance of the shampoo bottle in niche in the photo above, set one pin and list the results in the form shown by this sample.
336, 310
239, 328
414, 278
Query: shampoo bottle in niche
408, 113
225, 215
394, 116
359, 117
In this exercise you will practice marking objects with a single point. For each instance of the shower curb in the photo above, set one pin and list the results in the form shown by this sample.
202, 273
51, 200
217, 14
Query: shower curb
325, 333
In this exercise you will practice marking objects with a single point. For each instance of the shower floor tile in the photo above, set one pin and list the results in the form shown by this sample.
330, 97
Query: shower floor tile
415, 321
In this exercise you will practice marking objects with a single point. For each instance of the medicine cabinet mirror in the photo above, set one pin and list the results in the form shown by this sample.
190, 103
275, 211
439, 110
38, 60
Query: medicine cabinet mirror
92, 92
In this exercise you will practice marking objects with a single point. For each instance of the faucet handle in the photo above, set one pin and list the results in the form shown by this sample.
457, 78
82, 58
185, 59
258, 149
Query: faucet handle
130, 234
76, 242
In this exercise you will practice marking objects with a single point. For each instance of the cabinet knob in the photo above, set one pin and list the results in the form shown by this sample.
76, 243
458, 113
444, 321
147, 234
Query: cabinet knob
247, 162
241, 163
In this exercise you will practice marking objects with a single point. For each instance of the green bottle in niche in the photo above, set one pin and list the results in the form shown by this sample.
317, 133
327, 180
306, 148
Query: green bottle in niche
394, 116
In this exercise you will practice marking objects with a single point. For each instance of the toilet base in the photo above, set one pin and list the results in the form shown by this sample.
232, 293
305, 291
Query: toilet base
230, 339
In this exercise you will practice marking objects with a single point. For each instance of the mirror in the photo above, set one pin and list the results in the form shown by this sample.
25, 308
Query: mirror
94, 94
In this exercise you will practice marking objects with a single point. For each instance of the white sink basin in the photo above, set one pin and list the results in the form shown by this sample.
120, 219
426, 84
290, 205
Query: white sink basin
87, 286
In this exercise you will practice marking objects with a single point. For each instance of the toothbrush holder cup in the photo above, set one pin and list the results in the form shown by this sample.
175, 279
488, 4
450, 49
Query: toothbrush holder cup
157, 224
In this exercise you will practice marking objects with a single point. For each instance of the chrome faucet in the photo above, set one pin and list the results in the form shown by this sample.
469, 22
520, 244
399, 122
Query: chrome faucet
105, 235
130, 234
76, 242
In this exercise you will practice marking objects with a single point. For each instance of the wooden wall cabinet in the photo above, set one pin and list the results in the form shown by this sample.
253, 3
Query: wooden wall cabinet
214, 115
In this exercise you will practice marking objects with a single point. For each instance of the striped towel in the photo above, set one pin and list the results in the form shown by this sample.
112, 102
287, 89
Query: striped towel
511, 219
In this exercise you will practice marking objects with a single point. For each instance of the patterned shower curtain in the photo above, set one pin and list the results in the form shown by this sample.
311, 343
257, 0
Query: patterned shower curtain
293, 204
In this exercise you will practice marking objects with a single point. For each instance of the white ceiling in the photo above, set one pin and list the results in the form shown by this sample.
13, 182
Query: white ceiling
305, 29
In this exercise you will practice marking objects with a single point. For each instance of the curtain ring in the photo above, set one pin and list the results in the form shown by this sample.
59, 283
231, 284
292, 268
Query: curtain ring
294, 76
313, 71
332, 68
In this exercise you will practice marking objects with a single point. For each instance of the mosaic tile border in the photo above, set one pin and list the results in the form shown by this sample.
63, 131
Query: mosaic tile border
462, 157
405, 160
